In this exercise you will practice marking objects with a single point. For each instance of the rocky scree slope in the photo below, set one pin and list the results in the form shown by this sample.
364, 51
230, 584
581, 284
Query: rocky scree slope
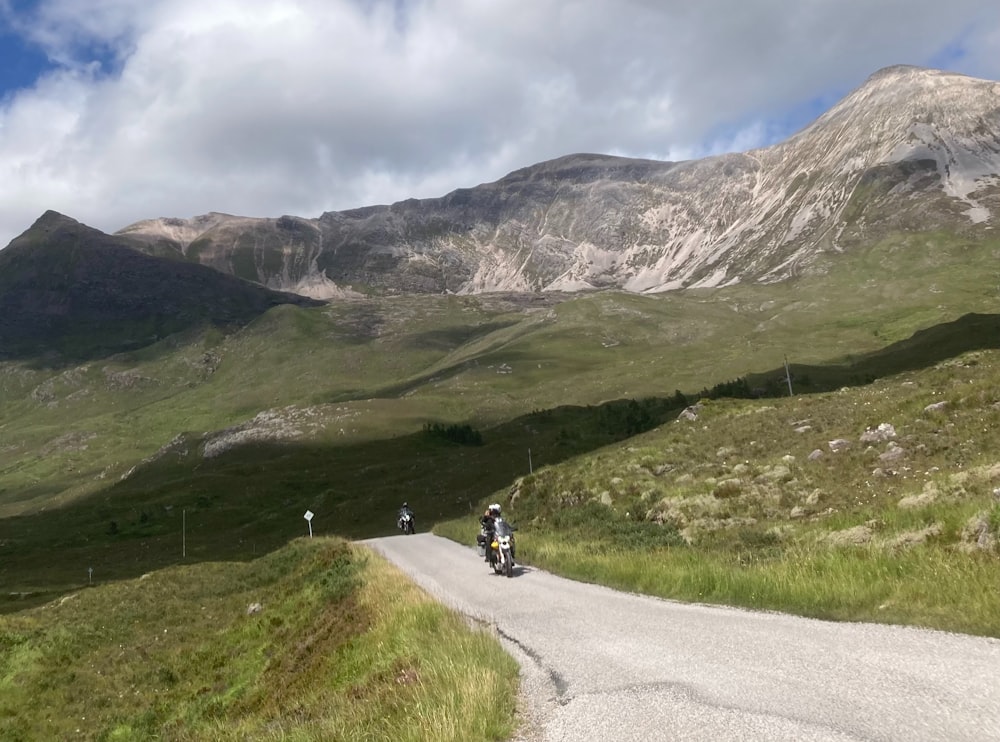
911, 149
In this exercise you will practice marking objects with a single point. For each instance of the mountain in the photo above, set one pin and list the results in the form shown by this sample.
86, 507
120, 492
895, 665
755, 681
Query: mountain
68, 288
911, 150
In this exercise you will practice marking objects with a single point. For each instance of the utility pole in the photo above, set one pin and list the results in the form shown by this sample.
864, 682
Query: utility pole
788, 378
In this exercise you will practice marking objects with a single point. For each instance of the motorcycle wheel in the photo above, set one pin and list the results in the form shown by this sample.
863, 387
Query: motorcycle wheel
508, 568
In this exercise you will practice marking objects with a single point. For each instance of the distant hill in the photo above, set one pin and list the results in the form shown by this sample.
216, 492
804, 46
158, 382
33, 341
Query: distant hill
72, 292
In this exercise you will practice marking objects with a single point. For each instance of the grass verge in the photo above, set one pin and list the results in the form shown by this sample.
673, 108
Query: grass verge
342, 647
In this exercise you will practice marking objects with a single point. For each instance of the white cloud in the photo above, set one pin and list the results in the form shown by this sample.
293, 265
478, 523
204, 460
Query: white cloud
266, 107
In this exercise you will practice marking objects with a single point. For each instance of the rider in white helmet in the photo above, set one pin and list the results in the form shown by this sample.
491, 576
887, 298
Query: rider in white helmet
489, 520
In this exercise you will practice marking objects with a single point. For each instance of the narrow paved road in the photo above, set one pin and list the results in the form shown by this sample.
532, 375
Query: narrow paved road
603, 665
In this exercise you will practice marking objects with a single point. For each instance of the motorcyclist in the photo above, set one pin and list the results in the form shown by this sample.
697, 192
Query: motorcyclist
489, 522
405, 510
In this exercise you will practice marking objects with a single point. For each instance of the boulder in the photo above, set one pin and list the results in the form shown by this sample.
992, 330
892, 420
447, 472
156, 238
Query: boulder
884, 432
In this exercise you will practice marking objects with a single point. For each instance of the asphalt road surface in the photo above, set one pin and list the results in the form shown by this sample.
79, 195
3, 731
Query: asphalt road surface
598, 664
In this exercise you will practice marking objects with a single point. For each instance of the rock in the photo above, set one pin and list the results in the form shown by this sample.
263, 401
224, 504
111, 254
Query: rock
727, 488
775, 474
912, 502
884, 432
254, 608
914, 538
977, 533
689, 413
893, 453
816, 455
839, 444
803, 429
937, 407
515, 490
856, 536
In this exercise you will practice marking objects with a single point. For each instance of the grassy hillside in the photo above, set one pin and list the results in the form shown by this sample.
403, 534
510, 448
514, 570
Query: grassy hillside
877, 503
316, 641
210, 446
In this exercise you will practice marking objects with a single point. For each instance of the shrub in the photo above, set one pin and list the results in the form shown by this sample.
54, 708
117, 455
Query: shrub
464, 435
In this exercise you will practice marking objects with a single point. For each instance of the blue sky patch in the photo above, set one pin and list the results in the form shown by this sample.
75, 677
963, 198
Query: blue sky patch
21, 62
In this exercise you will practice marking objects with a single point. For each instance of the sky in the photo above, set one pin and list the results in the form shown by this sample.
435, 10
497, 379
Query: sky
113, 111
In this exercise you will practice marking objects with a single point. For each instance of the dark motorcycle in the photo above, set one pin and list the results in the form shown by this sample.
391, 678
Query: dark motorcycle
406, 524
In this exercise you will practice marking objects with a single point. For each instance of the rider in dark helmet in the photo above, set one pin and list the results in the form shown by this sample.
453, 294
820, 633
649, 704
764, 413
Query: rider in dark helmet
488, 523
403, 511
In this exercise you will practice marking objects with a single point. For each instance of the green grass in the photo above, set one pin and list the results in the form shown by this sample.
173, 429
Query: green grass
745, 518
101, 464
925, 587
344, 647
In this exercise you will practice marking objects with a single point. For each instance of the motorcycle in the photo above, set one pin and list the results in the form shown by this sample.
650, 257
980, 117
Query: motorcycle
406, 524
502, 549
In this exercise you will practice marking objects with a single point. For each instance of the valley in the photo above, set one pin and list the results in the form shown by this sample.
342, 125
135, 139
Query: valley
323, 408
764, 379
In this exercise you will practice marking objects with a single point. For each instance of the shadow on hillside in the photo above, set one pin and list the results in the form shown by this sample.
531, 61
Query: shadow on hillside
923, 349
455, 337
441, 340
183, 508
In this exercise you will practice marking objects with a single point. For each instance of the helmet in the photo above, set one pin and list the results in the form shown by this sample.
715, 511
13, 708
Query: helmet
405, 505
495, 508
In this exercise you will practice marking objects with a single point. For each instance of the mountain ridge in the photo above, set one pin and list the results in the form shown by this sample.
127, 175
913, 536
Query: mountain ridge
911, 149
69, 289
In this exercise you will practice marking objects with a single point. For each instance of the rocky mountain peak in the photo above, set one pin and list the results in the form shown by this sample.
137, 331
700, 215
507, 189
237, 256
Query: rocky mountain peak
51, 221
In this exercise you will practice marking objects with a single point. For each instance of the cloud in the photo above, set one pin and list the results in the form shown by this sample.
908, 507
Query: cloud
267, 107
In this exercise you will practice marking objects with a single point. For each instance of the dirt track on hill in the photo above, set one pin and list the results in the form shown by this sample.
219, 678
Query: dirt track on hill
603, 665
